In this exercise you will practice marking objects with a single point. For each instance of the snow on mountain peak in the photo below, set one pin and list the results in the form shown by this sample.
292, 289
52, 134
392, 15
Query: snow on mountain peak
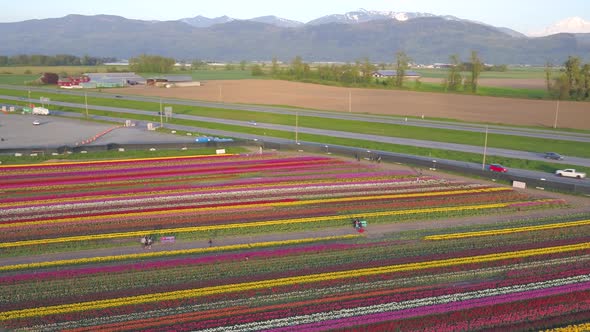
568, 25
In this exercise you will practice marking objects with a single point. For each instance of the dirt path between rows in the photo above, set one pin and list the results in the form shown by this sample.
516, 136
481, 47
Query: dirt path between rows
577, 204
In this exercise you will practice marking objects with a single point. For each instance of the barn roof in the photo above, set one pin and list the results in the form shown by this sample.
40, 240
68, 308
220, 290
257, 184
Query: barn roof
389, 73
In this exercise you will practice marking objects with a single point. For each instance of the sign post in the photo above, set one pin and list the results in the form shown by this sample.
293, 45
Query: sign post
161, 111
168, 112
44, 101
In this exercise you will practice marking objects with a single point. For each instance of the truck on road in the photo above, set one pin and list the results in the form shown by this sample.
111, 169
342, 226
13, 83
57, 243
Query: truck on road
571, 173
40, 111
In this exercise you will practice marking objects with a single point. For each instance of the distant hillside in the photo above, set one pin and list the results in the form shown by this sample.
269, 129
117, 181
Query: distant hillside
424, 39
205, 22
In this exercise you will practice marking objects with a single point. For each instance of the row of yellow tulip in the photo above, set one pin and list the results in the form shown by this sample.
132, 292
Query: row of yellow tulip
508, 230
92, 260
243, 225
246, 286
276, 204
74, 163
585, 327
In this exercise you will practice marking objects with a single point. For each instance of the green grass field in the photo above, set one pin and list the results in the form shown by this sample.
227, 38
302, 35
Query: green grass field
488, 91
17, 79
512, 72
208, 74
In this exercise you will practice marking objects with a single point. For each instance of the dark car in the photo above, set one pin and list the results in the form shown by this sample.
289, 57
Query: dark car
553, 155
498, 168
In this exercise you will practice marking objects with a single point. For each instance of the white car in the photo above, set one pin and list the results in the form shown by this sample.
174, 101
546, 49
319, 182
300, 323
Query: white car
571, 173
36, 122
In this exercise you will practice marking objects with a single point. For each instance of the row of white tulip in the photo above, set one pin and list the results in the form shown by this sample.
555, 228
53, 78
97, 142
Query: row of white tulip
305, 294
103, 206
225, 196
394, 306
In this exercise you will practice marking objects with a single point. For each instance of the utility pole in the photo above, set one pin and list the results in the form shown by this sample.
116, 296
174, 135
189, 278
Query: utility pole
485, 148
349, 101
556, 114
86, 102
296, 127
161, 122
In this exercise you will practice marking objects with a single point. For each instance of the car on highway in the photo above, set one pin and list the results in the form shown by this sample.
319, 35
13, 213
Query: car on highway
497, 168
553, 155
571, 173
36, 122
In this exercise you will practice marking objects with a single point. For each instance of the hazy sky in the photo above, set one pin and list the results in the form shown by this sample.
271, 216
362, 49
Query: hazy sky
521, 15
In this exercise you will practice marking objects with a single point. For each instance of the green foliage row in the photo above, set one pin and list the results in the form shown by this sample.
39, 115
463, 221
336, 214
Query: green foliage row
224, 233
52, 60
572, 83
151, 63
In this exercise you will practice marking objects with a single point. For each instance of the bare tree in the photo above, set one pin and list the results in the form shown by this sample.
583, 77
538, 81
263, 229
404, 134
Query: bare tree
402, 64
548, 72
476, 67
454, 78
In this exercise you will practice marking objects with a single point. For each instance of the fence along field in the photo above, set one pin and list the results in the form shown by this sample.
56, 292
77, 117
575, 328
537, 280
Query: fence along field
310, 282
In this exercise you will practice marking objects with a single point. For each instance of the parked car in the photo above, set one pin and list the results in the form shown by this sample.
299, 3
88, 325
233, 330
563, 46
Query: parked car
498, 168
553, 155
570, 173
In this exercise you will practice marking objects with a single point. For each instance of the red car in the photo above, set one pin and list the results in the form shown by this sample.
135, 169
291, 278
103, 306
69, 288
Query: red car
498, 168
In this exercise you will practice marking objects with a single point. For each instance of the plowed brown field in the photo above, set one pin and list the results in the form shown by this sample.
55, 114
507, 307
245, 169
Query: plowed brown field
403, 103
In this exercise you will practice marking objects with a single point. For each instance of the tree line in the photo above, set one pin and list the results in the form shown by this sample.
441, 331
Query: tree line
151, 64
572, 82
360, 73
52, 60
142, 63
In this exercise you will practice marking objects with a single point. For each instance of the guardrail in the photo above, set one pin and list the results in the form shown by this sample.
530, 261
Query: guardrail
116, 146
577, 187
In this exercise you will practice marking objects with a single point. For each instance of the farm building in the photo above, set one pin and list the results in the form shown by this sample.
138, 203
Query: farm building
392, 73
110, 80
172, 80
72, 81
169, 79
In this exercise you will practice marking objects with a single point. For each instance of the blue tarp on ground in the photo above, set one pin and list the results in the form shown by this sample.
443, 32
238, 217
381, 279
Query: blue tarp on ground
206, 139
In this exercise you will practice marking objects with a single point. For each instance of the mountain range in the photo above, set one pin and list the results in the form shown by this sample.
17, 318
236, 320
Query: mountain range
426, 38
358, 16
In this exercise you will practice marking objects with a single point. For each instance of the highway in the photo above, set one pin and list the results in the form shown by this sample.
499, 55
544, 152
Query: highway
492, 129
490, 152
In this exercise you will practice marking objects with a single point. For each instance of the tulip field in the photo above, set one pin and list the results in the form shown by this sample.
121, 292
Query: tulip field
267, 242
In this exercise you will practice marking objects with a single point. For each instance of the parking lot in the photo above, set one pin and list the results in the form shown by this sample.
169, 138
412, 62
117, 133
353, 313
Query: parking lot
18, 131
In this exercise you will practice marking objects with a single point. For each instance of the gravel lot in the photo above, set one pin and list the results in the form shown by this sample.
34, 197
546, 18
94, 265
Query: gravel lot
18, 131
